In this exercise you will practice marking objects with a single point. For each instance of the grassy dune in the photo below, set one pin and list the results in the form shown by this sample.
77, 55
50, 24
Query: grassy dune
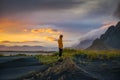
86, 54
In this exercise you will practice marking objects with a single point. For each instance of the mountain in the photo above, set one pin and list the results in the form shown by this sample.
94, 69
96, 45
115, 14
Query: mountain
98, 44
109, 40
86, 39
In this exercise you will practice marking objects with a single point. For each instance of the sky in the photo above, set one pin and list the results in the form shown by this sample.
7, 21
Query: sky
40, 22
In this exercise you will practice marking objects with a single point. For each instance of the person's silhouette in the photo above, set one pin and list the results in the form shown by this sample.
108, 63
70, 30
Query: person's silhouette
60, 45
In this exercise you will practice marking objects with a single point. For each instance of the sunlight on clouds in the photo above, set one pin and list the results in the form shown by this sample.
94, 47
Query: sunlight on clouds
25, 30
10, 26
9, 23
18, 33
107, 24
18, 37
51, 39
45, 30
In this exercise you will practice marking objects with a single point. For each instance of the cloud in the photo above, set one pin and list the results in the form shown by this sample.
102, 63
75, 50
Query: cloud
10, 26
76, 17
51, 39
96, 33
25, 30
54, 39
46, 11
76, 6
17, 26
117, 11
45, 30
15, 6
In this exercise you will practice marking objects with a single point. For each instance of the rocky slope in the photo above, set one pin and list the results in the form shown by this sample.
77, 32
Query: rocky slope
84, 44
109, 40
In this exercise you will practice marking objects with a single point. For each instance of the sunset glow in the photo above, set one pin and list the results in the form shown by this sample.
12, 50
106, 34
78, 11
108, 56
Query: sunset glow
42, 25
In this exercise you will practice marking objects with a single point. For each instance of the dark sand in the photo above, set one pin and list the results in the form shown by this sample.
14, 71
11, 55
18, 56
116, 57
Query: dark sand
29, 68
16, 67
101, 69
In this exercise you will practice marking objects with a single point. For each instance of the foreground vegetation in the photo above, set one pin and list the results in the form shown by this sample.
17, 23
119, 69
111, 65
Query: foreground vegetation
86, 54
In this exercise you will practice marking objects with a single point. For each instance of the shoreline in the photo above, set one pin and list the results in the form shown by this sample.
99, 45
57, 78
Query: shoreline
27, 53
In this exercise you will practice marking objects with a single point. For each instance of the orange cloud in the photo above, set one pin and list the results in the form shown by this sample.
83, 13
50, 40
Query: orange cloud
45, 30
25, 30
8, 23
12, 26
19, 33
50, 39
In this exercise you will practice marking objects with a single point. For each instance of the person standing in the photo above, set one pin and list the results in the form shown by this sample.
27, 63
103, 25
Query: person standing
60, 45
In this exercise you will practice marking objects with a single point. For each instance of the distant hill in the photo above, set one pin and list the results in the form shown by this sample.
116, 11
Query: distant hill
21, 48
109, 40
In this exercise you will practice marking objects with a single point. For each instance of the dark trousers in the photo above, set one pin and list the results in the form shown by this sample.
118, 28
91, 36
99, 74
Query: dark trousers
60, 52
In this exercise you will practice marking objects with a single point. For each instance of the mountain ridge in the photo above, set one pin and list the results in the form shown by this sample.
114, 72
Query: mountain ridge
109, 40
